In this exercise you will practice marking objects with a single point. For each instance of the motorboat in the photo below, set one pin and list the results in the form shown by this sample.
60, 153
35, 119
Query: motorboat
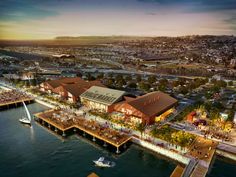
26, 119
101, 162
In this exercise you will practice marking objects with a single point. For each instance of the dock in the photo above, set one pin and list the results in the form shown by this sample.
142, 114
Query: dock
13, 97
63, 121
201, 153
178, 171
209, 149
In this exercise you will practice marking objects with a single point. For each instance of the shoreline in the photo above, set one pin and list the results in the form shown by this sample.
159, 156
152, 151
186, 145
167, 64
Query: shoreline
157, 149
167, 152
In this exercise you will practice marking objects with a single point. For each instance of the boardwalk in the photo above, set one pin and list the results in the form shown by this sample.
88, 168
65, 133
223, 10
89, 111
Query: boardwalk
201, 153
13, 97
177, 172
203, 150
65, 121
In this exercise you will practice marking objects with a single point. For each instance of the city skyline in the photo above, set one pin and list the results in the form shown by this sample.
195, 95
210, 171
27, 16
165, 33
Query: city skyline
49, 19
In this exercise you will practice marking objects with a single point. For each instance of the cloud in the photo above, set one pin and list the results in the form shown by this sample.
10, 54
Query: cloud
205, 5
198, 5
49, 18
16, 10
232, 21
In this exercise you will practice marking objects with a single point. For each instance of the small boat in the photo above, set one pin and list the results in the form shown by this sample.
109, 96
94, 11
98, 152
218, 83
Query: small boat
27, 118
101, 162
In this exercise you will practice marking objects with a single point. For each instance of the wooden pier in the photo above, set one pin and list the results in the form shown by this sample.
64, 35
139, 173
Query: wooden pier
59, 120
203, 151
177, 172
13, 97
209, 149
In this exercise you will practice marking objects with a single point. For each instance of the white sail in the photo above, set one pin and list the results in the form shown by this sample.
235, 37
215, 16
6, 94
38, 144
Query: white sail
27, 112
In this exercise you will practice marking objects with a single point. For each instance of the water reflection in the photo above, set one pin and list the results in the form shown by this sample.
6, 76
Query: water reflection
32, 137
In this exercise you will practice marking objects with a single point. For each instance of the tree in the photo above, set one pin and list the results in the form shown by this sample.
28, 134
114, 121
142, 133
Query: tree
132, 85
181, 81
230, 83
128, 78
110, 75
138, 78
90, 77
120, 83
152, 79
183, 90
110, 82
175, 83
213, 81
100, 76
144, 86
163, 82
119, 77
162, 88
214, 114
141, 128
33, 82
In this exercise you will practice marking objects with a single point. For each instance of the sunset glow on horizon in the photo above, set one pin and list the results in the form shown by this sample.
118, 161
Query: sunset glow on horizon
49, 19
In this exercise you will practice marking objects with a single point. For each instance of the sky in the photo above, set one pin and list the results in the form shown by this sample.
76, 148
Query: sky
47, 19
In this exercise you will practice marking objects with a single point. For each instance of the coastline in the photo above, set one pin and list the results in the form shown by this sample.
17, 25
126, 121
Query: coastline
162, 151
176, 154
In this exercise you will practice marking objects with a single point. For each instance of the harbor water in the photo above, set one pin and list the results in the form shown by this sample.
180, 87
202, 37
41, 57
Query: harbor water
37, 152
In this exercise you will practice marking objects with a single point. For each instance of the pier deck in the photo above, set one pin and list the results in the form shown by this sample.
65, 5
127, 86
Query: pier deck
177, 172
203, 150
13, 97
65, 121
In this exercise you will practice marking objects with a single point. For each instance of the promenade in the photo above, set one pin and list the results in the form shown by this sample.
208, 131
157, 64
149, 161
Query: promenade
201, 153
202, 150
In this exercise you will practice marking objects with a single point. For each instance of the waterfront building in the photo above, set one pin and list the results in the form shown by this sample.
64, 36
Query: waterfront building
69, 88
50, 86
72, 92
147, 109
101, 99
21, 76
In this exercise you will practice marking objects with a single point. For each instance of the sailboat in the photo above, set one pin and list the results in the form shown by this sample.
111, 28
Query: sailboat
26, 119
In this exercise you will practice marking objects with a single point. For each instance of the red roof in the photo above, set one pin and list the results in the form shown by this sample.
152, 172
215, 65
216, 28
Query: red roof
61, 81
76, 86
151, 104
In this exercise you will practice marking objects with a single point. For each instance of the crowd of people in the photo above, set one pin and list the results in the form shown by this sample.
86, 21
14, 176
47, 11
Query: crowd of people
7, 97
66, 119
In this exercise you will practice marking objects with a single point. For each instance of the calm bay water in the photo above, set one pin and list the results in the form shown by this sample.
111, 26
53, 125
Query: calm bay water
36, 152
222, 168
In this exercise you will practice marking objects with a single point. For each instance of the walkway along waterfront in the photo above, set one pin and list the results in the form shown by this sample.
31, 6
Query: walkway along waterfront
200, 169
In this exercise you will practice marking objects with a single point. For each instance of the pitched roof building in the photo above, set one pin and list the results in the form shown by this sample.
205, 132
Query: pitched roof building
52, 84
100, 98
69, 88
145, 108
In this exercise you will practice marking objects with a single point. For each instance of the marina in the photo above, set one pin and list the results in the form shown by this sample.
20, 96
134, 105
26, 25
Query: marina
71, 156
59, 120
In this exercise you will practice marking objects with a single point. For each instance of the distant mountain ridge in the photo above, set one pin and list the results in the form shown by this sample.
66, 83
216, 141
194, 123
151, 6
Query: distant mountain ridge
99, 37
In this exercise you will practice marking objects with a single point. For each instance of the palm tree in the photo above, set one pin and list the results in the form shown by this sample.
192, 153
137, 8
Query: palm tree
140, 127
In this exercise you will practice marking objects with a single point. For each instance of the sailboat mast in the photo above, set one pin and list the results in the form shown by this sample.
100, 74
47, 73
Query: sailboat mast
27, 111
